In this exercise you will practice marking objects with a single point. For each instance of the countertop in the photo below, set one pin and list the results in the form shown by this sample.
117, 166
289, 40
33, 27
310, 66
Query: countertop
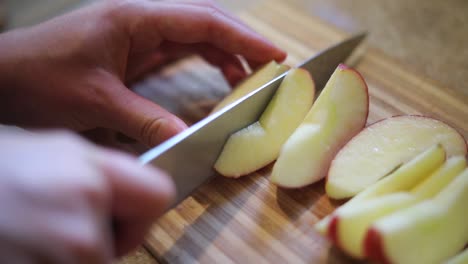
429, 37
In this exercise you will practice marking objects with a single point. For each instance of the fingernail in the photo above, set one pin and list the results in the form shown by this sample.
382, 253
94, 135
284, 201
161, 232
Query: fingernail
179, 125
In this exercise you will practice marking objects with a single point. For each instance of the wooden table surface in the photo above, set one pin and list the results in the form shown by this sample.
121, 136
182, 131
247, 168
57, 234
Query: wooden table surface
426, 39
429, 36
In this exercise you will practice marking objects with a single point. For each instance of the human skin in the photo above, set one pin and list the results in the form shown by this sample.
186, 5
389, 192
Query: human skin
66, 200
72, 71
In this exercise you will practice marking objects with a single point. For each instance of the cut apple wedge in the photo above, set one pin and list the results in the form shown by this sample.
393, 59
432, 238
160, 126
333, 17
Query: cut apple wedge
339, 113
440, 178
349, 225
461, 258
407, 176
428, 232
383, 146
403, 179
259, 144
262, 76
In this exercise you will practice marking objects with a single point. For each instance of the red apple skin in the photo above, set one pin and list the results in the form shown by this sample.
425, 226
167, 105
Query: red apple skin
332, 231
345, 67
373, 247
361, 126
417, 116
364, 120
268, 162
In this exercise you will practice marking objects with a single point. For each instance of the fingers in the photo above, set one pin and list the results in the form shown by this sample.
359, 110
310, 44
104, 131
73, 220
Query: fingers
201, 23
140, 118
229, 64
139, 195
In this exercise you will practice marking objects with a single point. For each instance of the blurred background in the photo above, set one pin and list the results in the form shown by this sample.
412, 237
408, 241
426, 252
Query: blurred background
429, 35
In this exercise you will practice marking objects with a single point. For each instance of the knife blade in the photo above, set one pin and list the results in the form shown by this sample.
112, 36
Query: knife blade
189, 156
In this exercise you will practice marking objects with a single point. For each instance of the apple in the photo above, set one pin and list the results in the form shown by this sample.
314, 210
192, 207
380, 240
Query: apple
461, 258
441, 178
428, 232
260, 77
404, 178
383, 146
349, 225
338, 114
259, 144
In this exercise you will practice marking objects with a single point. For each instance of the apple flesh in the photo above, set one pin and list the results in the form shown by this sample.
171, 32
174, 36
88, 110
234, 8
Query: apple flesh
440, 178
428, 232
259, 144
349, 226
338, 114
404, 178
461, 258
262, 76
381, 147
352, 222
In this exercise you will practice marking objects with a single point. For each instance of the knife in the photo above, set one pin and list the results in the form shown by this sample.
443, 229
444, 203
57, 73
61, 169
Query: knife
189, 156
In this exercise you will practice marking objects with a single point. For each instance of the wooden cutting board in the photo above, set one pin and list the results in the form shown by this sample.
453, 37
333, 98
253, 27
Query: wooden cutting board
249, 220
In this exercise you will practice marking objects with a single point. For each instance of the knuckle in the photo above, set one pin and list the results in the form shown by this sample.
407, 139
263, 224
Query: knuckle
95, 191
150, 129
86, 245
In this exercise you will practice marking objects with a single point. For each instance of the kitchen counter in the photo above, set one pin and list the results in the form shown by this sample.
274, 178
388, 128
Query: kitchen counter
429, 37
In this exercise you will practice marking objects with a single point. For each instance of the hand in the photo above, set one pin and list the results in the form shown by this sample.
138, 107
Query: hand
59, 195
71, 71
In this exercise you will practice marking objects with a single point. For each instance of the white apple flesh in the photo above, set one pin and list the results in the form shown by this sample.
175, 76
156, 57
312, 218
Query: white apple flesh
428, 232
383, 146
262, 76
432, 185
259, 144
403, 179
338, 114
461, 258
350, 224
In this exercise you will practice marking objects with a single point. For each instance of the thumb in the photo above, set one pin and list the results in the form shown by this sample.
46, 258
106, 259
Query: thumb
139, 195
142, 119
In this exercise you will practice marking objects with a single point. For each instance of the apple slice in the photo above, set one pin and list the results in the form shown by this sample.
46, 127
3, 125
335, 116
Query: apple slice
461, 258
429, 232
339, 113
262, 76
350, 224
441, 178
404, 178
383, 146
259, 144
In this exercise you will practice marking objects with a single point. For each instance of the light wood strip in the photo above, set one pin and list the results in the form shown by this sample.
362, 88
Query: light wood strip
255, 236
